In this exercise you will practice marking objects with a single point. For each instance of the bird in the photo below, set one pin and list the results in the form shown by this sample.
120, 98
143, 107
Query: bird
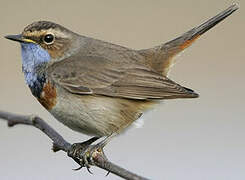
96, 87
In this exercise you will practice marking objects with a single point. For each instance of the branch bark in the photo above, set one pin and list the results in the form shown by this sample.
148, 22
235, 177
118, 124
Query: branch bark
59, 143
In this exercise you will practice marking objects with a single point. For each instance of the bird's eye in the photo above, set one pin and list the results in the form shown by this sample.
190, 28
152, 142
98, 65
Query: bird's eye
48, 38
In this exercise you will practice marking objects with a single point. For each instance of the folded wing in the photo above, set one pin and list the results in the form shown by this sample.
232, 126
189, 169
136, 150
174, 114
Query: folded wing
99, 76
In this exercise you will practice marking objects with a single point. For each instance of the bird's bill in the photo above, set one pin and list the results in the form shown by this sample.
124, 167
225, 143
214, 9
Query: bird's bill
19, 38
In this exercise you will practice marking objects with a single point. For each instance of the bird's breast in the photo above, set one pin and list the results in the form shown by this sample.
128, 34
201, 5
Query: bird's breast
48, 96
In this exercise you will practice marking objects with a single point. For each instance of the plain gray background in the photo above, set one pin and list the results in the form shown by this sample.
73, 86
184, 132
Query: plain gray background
182, 139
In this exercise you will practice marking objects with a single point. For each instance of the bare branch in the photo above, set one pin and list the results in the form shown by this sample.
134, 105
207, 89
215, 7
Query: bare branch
59, 143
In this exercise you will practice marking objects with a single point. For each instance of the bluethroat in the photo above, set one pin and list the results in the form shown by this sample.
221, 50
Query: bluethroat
95, 87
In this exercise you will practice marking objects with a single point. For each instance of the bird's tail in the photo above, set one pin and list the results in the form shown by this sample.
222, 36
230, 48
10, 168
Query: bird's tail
161, 57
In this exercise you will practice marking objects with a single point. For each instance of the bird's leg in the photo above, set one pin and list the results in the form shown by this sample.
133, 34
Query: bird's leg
97, 148
78, 149
83, 153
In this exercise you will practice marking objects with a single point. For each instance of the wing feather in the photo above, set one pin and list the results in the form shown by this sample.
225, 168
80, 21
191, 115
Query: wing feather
96, 75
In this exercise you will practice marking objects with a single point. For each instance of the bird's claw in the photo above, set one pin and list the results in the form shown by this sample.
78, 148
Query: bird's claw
77, 169
107, 174
84, 153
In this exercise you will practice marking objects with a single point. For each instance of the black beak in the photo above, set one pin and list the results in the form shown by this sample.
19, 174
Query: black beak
17, 38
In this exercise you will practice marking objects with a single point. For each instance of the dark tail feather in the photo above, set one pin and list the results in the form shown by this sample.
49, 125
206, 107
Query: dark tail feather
165, 52
213, 21
187, 38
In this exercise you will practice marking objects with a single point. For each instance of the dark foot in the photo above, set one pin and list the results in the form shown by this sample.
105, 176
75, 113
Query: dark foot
78, 152
84, 153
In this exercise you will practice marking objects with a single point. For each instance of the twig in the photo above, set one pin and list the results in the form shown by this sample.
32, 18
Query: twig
59, 143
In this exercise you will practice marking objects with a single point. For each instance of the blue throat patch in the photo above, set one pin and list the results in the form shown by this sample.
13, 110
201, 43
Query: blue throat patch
34, 56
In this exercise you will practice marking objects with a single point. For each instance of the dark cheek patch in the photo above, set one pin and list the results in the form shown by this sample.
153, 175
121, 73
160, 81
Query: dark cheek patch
58, 48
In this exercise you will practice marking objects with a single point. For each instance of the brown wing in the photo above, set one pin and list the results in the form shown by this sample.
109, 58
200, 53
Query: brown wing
100, 76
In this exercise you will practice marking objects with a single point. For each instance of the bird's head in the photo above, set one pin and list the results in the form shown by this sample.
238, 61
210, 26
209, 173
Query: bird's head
44, 38
43, 42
